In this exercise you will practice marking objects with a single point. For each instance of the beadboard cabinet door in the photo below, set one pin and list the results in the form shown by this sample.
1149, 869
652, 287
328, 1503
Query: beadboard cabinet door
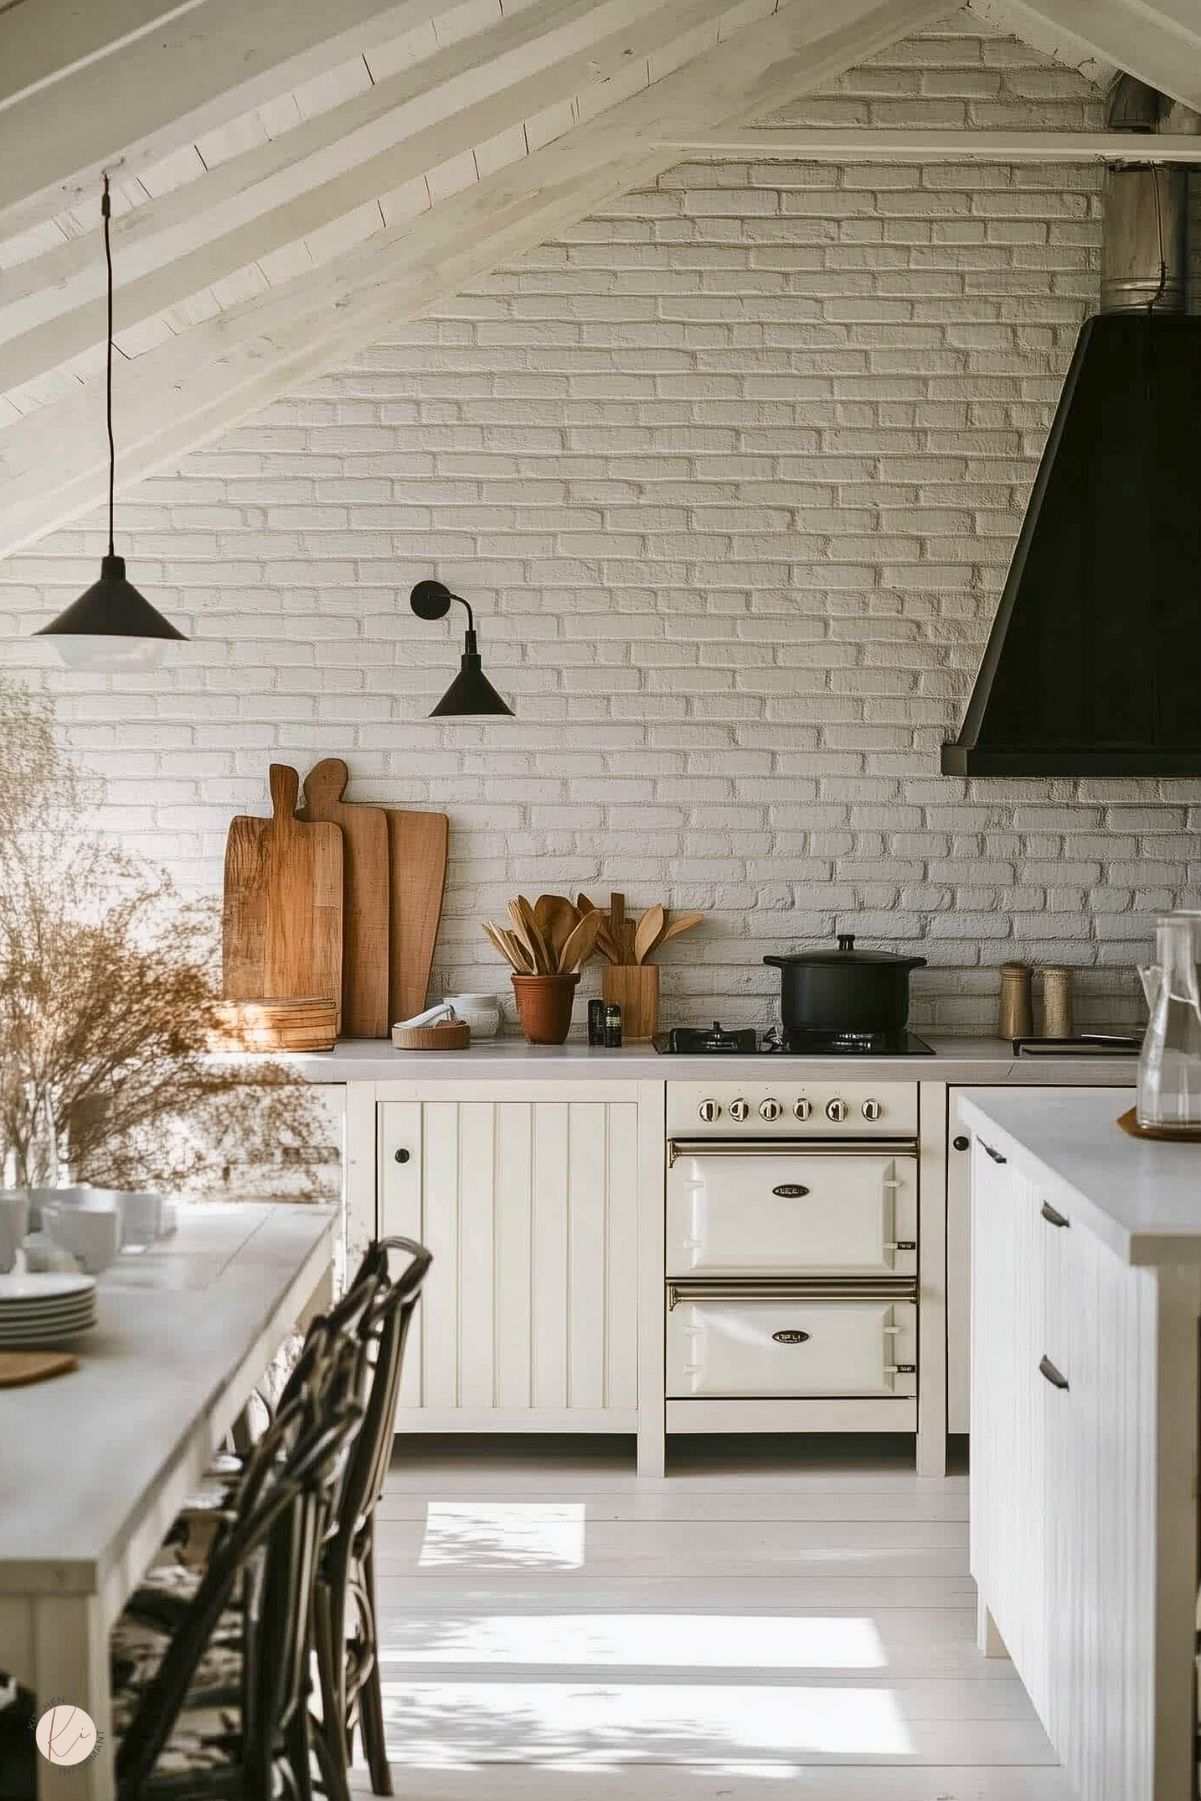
528, 1321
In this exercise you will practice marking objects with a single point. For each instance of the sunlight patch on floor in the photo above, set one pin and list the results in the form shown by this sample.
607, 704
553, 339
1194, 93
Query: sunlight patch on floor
681, 1640
521, 1535
604, 1725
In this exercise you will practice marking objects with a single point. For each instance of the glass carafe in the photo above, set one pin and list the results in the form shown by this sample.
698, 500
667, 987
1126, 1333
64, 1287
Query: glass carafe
1169, 1071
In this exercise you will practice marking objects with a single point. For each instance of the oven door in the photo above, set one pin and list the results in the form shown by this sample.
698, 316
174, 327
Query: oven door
741, 1209
735, 1343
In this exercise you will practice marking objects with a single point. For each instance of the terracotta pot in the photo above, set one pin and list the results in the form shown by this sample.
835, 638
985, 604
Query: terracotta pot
635, 988
544, 1006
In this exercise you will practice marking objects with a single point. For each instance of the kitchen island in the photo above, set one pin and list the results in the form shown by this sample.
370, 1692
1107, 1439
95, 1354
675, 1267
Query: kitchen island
1086, 1307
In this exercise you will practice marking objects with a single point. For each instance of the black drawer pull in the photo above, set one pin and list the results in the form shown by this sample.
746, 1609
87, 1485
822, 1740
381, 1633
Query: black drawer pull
961, 1143
402, 1156
995, 1155
1055, 1377
1052, 1215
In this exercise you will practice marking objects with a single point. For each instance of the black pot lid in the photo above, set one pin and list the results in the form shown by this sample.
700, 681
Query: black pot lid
844, 954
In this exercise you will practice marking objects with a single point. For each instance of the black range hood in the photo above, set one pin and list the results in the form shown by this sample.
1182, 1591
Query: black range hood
1093, 666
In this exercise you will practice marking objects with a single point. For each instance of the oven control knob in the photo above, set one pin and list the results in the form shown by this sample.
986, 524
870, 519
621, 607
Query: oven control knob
837, 1111
709, 1111
739, 1110
802, 1109
770, 1109
872, 1110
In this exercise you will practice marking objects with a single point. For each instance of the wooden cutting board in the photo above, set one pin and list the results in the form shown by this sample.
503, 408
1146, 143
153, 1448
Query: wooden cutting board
282, 919
19, 1367
364, 897
417, 845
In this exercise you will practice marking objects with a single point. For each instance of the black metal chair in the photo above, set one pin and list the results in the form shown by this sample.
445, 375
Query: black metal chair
224, 1710
345, 1629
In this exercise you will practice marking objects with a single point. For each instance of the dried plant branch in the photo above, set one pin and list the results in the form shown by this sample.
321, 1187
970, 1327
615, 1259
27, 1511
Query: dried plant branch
107, 981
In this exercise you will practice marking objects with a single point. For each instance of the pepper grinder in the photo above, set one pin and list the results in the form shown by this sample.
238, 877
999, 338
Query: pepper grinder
1057, 1001
1015, 1015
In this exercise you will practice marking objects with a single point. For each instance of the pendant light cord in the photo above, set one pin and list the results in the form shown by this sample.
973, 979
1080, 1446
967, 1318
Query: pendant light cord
106, 213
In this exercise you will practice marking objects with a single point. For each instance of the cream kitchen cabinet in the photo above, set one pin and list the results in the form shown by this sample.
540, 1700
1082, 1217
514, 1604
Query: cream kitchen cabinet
530, 1205
1083, 1512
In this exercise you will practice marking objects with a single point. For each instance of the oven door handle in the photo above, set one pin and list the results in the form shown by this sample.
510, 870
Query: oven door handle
835, 1288
789, 1147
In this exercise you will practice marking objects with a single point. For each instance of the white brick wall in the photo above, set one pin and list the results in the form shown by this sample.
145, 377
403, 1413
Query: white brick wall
733, 474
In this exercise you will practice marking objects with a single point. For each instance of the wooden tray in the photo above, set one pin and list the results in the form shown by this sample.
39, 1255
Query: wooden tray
20, 1367
1166, 1134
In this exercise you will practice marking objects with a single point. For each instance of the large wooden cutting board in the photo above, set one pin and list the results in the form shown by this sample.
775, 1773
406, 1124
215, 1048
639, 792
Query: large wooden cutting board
364, 897
282, 936
417, 844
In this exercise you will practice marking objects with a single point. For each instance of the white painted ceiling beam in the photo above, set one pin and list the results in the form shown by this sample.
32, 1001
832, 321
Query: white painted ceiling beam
208, 65
1162, 48
195, 386
229, 221
868, 144
41, 41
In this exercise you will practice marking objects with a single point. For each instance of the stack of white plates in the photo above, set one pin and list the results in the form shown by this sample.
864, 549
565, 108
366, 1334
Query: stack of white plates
45, 1309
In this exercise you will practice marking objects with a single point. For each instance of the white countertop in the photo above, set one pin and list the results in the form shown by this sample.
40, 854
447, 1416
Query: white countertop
988, 1060
1143, 1198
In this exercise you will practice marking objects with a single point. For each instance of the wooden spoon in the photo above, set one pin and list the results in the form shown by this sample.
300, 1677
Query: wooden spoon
522, 915
580, 944
647, 935
509, 948
684, 923
557, 919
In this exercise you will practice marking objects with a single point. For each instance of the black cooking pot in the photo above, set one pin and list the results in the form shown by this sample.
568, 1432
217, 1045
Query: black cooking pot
845, 990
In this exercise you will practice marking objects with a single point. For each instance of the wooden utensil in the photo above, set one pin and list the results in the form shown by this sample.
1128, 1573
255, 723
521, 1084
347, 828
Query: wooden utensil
557, 920
684, 922
619, 931
20, 1367
647, 935
282, 919
271, 1025
580, 944
417, 847
528, 935
604, 942
365, 911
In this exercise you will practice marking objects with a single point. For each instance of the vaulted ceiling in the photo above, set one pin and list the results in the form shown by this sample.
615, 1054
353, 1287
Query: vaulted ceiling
291, 177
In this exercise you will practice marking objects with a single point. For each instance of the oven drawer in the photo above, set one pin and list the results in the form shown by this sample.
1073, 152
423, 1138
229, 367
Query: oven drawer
745, 1345
741, 1213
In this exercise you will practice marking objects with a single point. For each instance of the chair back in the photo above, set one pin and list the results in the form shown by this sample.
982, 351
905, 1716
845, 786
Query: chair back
270, 1546
385, 1328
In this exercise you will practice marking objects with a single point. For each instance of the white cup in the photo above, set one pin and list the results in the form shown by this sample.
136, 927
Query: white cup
14, 1224
92, 1234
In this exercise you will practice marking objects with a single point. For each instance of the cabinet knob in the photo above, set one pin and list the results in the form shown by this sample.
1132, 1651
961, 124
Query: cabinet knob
402, 1156
962, 1143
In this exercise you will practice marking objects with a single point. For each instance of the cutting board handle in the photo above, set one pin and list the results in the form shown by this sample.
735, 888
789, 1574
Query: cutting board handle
324, 786
285, 786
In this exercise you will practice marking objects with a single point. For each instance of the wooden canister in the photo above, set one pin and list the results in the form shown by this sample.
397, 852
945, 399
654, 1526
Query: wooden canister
1015, 1014
635, 988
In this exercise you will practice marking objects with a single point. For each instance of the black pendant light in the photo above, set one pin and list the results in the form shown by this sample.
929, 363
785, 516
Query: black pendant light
111, 626
471, 692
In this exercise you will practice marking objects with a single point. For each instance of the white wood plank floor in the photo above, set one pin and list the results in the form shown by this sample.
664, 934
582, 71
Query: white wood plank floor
766, 1623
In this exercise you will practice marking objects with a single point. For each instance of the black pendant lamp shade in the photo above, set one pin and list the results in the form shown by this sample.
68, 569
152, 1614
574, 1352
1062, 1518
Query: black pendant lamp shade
471, 693
111, 624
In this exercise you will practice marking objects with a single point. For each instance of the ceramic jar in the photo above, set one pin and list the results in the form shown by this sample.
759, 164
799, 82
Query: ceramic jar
479, 1011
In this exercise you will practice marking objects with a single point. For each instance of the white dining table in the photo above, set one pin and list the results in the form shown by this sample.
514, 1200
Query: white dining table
95, 1464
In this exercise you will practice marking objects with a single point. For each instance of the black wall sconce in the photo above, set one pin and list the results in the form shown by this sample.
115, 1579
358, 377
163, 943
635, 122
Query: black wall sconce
471, 692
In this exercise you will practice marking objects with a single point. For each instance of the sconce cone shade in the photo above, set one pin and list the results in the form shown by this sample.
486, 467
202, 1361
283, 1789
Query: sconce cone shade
470, 692
111, 608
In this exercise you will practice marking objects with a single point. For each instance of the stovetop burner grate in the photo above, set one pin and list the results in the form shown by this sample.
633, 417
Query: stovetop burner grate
716, 1041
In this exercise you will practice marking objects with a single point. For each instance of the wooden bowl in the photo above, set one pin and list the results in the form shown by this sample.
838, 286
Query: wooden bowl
443, 1035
